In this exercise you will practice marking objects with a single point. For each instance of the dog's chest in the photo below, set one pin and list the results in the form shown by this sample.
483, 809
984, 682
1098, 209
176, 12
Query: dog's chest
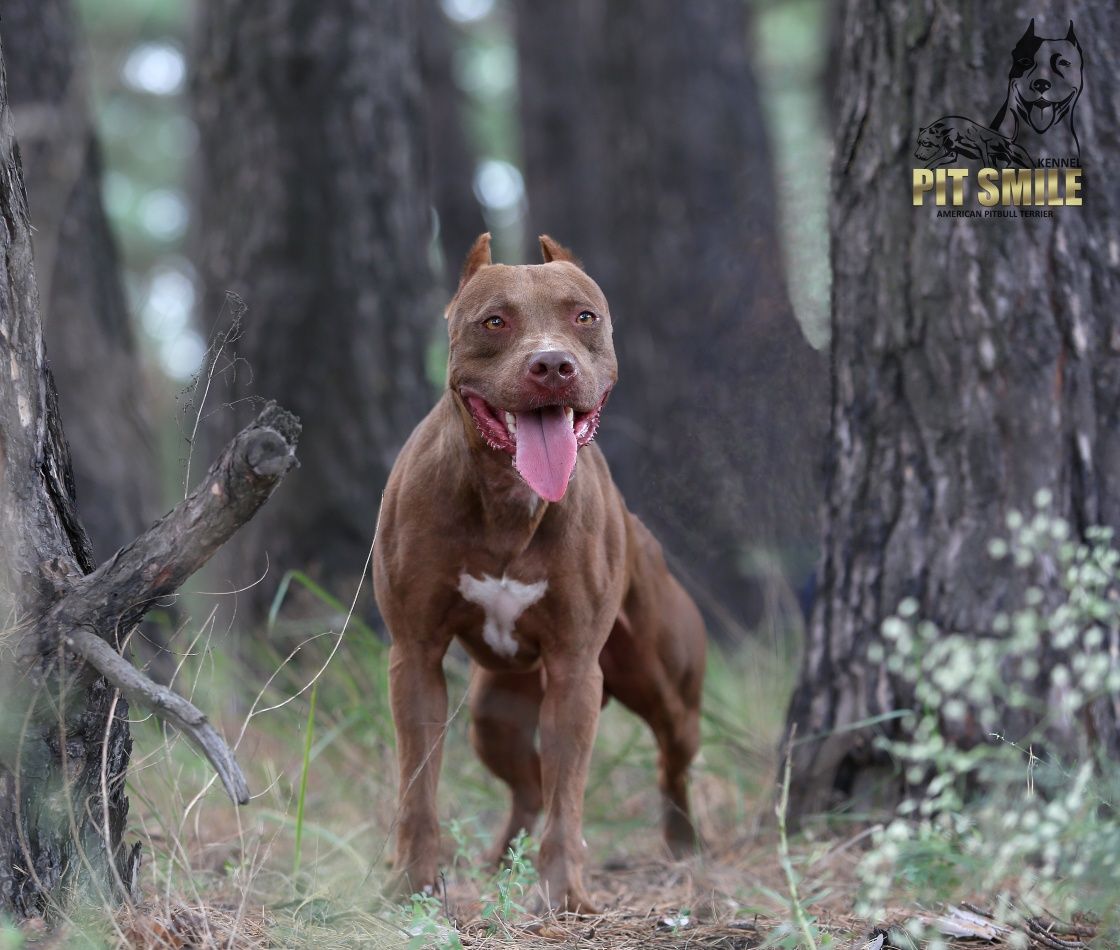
503, 600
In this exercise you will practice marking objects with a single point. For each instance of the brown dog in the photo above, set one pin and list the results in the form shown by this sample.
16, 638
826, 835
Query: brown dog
490, 532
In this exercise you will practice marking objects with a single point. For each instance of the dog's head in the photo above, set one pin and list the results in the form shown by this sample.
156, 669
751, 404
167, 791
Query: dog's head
531, 360
1045, 78
933, 141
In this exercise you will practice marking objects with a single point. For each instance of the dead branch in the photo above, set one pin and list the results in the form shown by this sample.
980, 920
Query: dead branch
164, 703
98, 609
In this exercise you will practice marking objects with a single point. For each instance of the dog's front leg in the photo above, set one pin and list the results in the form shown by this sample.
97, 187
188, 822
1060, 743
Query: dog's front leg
569, 717
418, 695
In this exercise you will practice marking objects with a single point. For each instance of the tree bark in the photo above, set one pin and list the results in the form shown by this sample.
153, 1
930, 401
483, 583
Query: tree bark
316, 213
974, 361
42, 542
64, 736
645, 151
94, 355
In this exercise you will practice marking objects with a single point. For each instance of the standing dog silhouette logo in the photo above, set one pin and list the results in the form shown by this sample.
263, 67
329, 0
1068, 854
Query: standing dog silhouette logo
954, 137
1033, 137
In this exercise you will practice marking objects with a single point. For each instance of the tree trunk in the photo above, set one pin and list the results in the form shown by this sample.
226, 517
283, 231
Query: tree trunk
64, 736
94, 355
42, 544
562, 124
450, 150
974, 361
316, 213
648, 156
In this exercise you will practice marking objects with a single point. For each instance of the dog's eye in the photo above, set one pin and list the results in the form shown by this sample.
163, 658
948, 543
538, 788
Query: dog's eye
493, 322
1025, 62
587, 318
1063, 62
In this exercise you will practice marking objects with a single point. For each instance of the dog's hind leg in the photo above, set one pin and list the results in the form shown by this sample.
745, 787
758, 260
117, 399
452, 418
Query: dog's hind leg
676, 729
664, 690
505, 710
677, 741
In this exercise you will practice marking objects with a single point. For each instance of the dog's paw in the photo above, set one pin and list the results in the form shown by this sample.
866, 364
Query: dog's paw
681, 837
565, 894
579, 903
683, 849
402, 884
570, 901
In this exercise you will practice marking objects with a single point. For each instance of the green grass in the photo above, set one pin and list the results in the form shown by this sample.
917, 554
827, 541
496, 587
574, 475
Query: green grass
317, 741
10, 937
303, 865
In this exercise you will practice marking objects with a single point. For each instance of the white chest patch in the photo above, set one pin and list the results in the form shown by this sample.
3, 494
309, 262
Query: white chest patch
504, 600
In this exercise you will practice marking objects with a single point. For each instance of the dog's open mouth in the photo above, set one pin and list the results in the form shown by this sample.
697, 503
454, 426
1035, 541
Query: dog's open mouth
1041, 113
542, 441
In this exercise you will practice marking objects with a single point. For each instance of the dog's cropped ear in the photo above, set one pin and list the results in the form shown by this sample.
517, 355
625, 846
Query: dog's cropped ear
1029, 35
1071, 36
554, 251
478, 257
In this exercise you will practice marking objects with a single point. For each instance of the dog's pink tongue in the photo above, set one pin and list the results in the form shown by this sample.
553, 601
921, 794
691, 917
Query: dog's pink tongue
546, 451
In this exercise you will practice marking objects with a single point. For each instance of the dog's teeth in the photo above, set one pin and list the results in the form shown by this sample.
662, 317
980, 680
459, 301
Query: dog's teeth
570, 414
511, 423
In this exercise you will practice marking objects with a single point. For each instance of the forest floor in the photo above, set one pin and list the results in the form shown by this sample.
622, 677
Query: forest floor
303, 864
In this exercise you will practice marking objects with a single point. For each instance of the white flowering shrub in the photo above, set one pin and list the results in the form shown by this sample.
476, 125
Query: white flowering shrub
1013, 796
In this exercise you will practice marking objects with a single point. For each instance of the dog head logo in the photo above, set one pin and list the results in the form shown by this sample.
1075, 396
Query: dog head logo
1042, 91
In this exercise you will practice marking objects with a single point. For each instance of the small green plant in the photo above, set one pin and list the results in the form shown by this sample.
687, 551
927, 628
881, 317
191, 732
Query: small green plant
426, 927
1025, 810
304, 772
469, 840
801, 930
309, 729
512, 883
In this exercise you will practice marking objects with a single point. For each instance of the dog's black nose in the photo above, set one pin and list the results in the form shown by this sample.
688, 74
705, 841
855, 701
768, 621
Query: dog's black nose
1040, 85
552, 368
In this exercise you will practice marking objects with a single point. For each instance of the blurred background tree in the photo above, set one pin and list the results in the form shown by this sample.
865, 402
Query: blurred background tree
286, 232
314, 208
450, 152
138, 72
93, 352
646, 150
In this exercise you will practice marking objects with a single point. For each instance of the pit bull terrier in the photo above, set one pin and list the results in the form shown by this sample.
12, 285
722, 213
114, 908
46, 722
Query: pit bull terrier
501, 527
